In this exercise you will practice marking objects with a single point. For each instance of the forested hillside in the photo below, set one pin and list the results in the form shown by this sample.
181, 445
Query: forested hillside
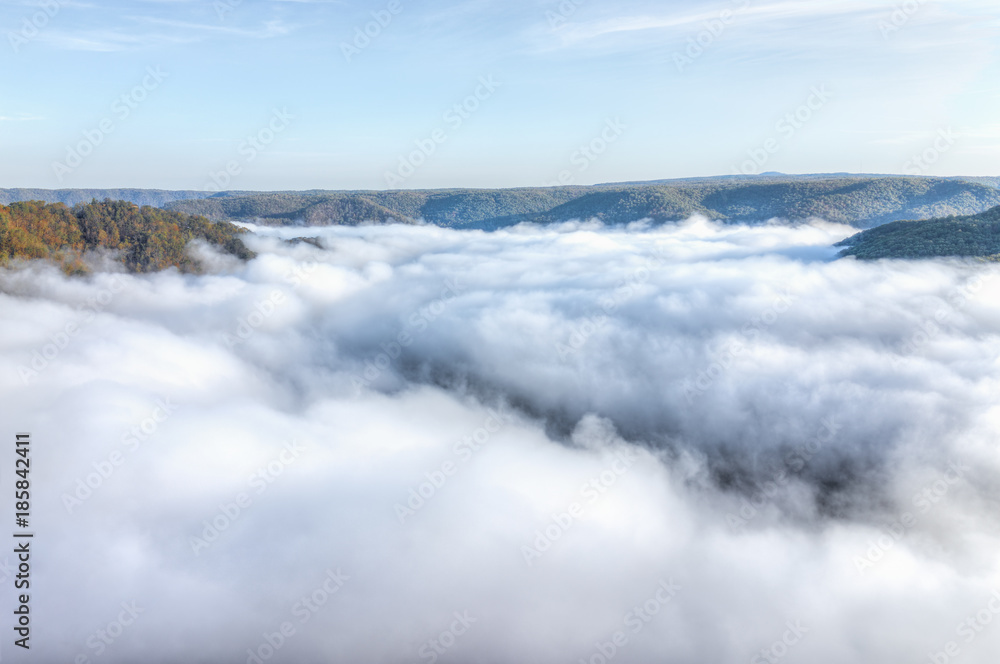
71, 197
862, 201
145, 239
972, 235
447, 207
859, 201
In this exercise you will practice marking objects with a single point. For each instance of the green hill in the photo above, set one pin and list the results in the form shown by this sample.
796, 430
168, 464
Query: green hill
146, 239
859, 201
970, 235
456, 208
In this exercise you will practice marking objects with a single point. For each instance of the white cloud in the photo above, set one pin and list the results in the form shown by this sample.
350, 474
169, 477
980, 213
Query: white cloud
821, 340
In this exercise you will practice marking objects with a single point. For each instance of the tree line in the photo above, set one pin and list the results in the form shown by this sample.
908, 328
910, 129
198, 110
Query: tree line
144, 239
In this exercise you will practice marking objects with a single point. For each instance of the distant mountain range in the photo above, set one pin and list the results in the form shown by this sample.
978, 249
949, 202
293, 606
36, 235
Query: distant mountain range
863, 201
859, 201
907, 217
151, 197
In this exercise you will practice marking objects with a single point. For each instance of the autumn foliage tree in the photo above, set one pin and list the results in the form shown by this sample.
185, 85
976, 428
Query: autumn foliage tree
145, 239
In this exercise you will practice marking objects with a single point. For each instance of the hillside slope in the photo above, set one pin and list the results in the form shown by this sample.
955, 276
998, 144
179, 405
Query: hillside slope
145, 239
971, 235
859, 201
455, 208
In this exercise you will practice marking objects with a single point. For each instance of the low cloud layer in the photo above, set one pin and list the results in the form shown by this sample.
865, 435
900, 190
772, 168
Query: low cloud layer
690, 443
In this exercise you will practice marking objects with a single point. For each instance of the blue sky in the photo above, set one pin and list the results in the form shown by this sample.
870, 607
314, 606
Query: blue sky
582, 91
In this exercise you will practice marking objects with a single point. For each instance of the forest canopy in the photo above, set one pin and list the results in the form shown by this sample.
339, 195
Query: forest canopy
145, 239
966, 236
860, 201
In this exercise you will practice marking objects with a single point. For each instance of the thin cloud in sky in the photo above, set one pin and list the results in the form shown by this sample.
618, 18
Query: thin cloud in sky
561, 81
20, 118
578, 32
108, 40
273, 28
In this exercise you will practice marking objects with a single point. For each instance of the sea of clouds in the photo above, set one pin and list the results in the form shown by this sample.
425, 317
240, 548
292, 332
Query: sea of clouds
687, 443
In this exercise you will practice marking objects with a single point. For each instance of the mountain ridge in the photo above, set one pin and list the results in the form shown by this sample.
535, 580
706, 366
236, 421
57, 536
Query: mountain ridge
968, 236
862, 202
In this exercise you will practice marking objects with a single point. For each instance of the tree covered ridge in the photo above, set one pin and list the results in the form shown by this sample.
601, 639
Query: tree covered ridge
859, 201
146, 239
975, 235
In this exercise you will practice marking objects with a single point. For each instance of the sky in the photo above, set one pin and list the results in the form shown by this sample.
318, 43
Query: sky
300, 94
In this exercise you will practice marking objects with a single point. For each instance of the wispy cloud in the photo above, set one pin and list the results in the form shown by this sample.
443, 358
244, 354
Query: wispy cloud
105, 41
576, 32
773, 18
164, 32
20, 117
273, 28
